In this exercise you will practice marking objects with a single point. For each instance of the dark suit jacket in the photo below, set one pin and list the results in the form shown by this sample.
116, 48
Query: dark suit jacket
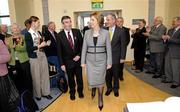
118, 45
174, 43
139, 40
65, 52
52, 49
127, 35
30, 46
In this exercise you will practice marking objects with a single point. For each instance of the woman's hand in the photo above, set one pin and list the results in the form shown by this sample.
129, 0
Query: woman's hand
83, 65
109, 66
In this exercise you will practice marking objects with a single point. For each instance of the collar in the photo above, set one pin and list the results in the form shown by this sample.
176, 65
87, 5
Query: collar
31, 31
177, 28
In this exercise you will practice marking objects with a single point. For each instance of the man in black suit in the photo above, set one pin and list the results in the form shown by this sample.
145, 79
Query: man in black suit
118, 44
120, 23
51, 51
69, 45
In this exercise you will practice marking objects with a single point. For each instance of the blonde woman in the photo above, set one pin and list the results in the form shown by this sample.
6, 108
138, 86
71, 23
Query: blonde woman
96, 55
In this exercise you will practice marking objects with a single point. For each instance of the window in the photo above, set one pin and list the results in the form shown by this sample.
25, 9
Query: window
4, 12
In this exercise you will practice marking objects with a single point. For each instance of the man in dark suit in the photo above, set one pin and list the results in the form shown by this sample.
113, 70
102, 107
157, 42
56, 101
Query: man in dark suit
120, 23
172, 58
69, 45
118, 44
51, 51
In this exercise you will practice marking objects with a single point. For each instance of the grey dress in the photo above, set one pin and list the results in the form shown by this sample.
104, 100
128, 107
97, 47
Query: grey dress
96, 57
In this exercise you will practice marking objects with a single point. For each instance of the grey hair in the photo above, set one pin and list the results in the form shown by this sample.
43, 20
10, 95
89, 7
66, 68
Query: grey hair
113, 15
51, 22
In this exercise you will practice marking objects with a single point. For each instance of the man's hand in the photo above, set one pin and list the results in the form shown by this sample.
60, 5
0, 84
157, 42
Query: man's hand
146, 34
76, 58
122, 61
109, 66
63, 68
83, 65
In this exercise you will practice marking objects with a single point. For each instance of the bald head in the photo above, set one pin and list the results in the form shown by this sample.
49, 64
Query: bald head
158, 20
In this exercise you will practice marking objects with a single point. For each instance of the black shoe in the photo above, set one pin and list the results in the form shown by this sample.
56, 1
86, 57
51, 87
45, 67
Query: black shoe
81, 95
72, 97
174, 86
116, 94
121, 79
165, 81
156, 76
93, 93
100, 107
49, 97
38, 99
108, 92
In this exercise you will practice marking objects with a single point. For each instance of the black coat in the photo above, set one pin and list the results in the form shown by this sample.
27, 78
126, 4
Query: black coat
139, 40
118, 45
52, 49
65, 52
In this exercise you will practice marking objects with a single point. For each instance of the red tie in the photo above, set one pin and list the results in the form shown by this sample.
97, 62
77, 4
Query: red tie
70, 41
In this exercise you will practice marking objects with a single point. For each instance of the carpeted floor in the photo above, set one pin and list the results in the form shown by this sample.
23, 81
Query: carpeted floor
44, 103
154, 82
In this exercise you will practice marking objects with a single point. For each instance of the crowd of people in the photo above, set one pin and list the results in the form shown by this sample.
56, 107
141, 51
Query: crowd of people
25, 55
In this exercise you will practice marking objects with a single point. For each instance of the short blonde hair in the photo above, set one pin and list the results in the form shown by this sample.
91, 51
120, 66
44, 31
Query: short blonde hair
99, 17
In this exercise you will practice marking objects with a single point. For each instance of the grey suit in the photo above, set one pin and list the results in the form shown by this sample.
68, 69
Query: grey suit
155, 39
172, 59
96, 57
157, 49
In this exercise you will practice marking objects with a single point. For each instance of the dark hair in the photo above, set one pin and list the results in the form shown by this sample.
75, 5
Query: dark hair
143, 21
27, 22
65, 17
33, 19
99, 17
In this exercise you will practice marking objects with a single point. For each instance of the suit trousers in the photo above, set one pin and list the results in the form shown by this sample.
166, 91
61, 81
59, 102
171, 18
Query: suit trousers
112, 76
40, 75
172, 66
121, 70
72, 73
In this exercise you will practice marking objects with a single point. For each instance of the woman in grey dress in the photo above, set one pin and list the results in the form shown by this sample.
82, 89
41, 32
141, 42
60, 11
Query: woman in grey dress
96, 55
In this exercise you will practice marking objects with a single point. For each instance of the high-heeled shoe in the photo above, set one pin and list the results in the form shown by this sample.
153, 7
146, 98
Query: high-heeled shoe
93, 94
100, 102
100, 107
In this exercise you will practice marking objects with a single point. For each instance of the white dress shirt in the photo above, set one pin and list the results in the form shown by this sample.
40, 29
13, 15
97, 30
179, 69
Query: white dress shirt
66, 32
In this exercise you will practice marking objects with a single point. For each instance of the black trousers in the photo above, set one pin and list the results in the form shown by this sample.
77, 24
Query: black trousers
121, 70
139, 55
72, 73
112, 77
21, 75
